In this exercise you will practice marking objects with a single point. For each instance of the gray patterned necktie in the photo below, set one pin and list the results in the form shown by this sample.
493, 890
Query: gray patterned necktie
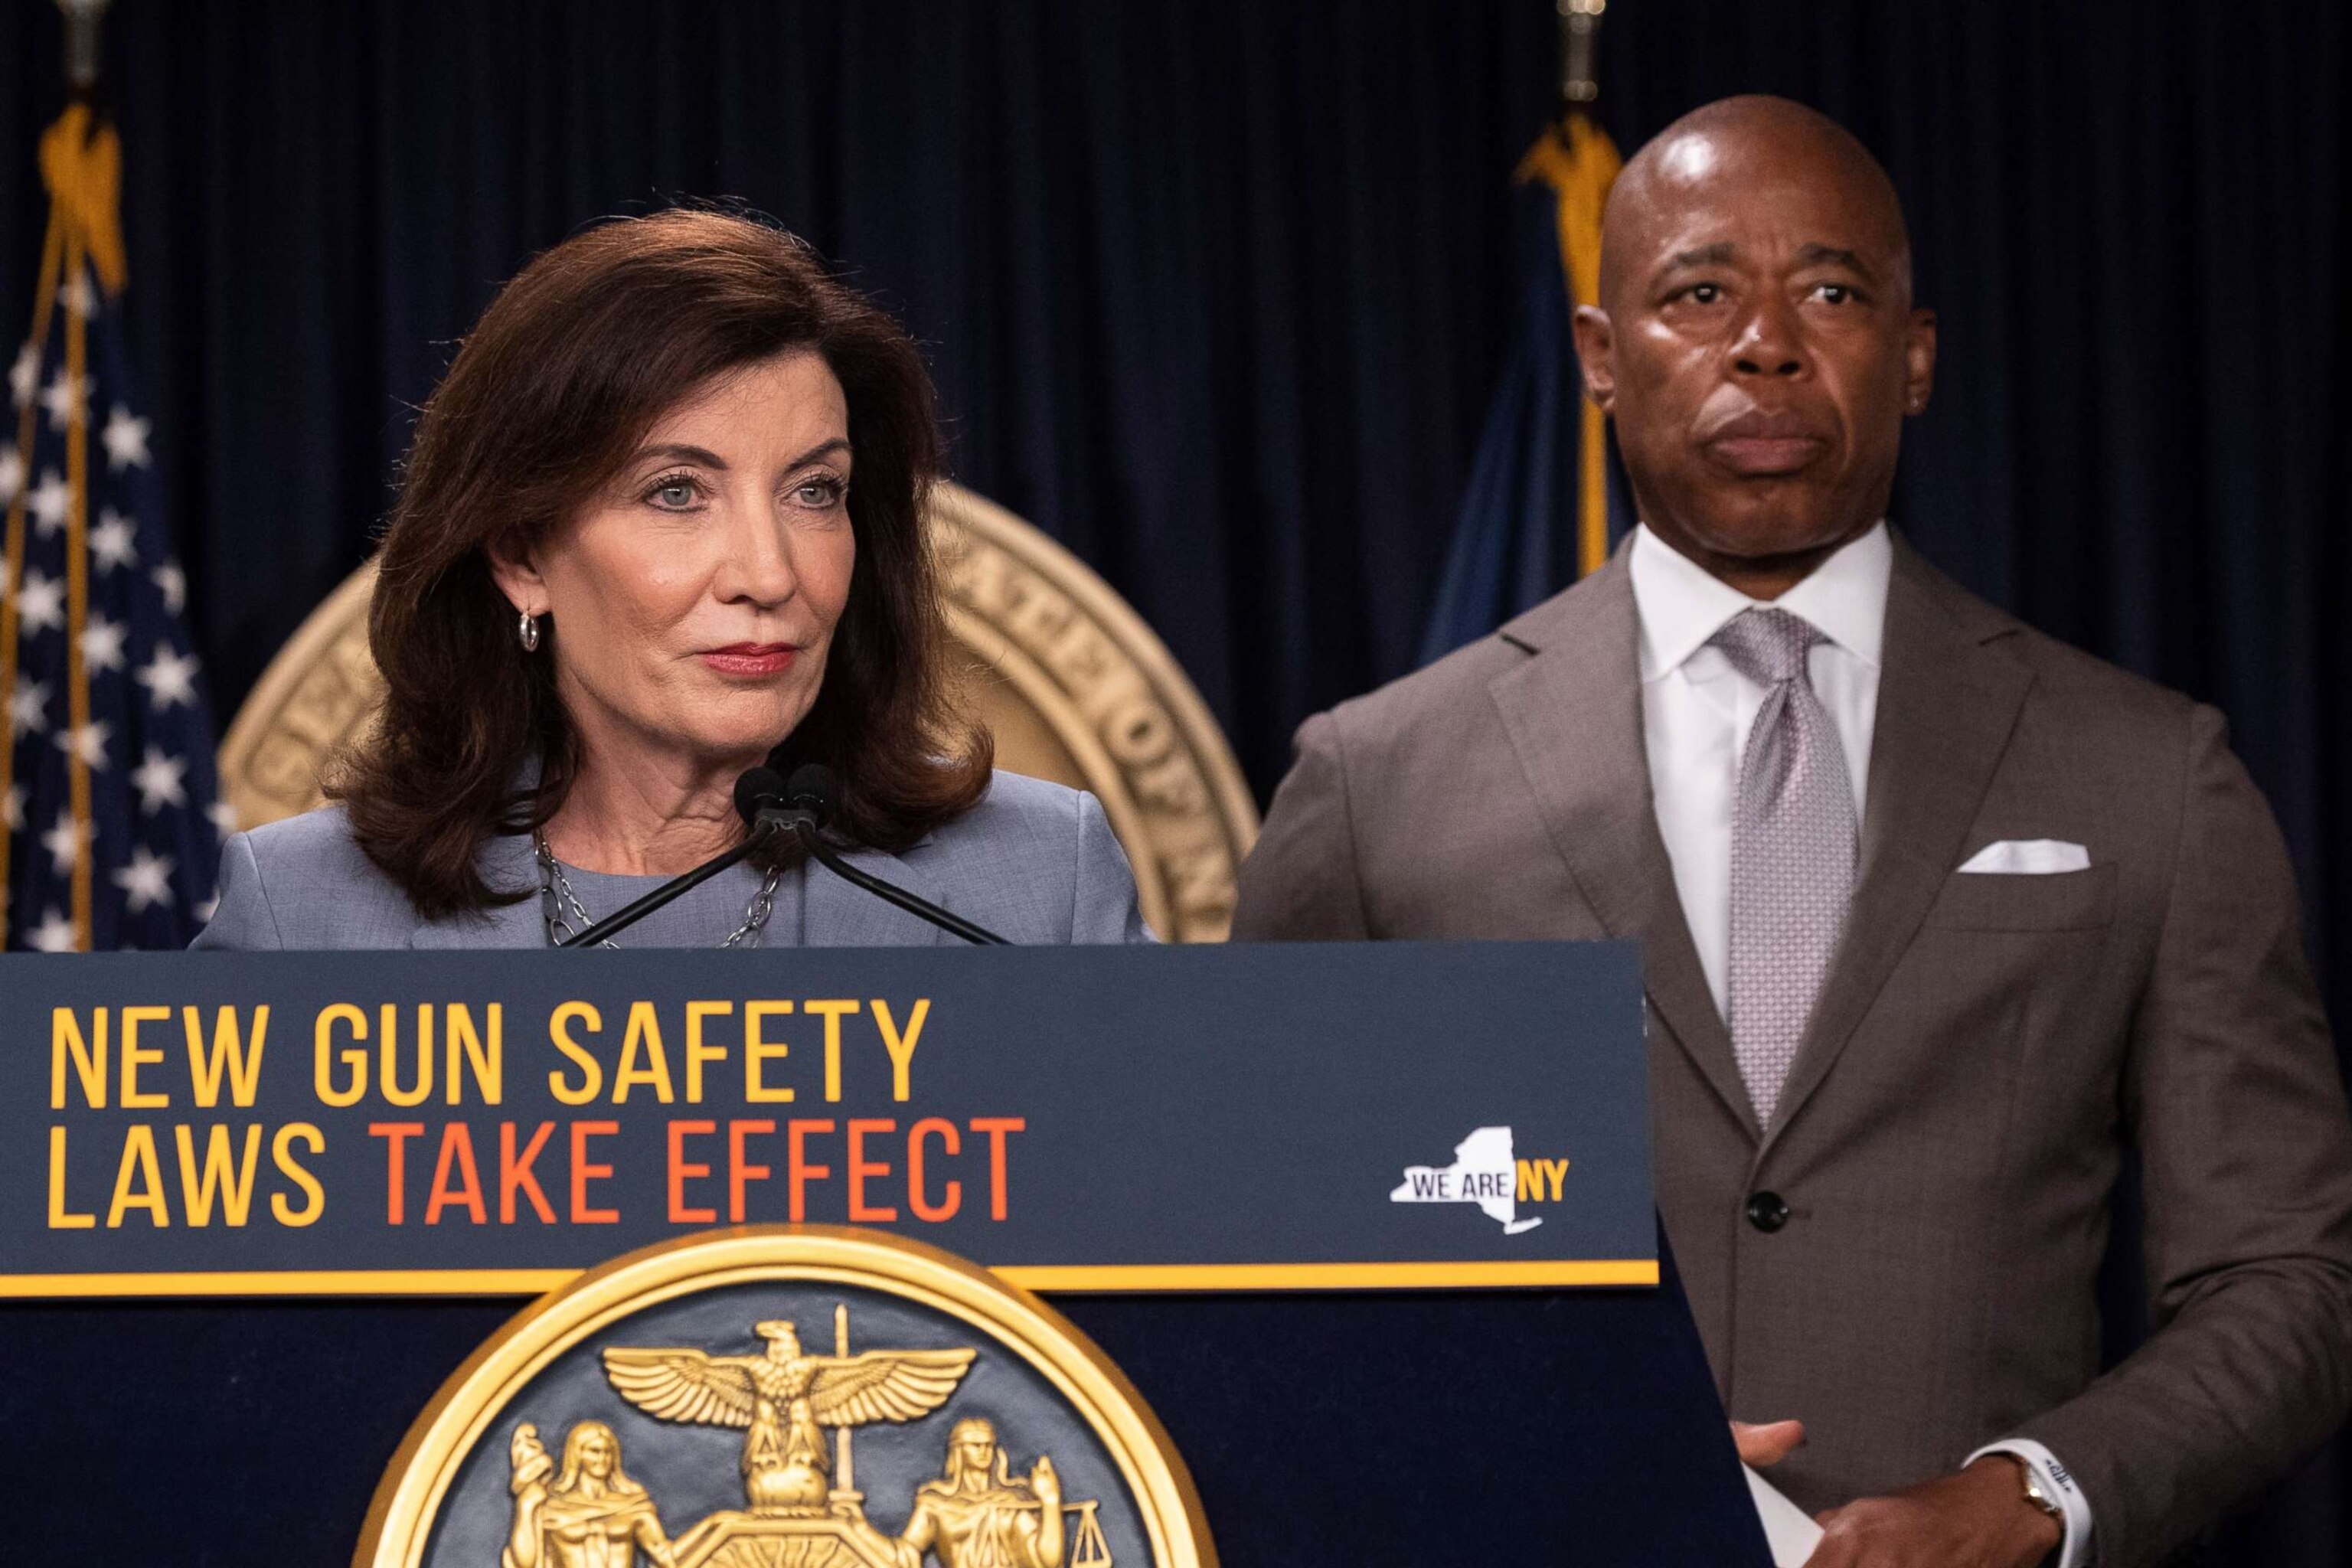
1792, 851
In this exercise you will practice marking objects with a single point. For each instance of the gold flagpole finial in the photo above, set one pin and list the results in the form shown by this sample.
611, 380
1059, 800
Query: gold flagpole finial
82, 159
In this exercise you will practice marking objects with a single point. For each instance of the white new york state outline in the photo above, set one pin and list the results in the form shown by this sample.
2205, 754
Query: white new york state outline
1488, 1155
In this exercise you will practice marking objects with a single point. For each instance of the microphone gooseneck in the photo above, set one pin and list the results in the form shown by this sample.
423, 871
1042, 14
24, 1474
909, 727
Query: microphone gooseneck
771, 804
807, 803
765, 822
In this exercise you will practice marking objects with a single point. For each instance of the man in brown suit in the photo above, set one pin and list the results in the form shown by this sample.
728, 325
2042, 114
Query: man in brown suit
1938, 917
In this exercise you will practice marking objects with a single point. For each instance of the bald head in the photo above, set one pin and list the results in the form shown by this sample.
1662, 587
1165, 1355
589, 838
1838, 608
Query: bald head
1758, 142
1755, 343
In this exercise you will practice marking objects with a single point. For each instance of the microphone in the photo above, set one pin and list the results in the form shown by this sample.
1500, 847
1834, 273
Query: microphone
763, 801
800, 804
766, 813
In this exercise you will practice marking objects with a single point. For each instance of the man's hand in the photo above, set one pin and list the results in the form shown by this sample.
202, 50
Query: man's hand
1976, 1518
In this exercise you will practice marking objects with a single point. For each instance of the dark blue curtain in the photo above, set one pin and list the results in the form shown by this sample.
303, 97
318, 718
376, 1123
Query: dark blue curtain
1214, 293
1217, 292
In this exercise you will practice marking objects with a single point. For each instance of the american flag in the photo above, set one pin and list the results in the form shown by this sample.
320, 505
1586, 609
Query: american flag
113, 826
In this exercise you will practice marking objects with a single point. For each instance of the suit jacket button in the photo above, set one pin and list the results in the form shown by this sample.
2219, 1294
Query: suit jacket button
1768, 1212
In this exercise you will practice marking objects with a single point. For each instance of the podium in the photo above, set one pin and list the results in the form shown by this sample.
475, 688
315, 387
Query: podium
1367, 1227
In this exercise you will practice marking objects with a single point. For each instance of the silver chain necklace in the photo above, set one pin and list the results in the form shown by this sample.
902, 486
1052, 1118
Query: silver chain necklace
558, 905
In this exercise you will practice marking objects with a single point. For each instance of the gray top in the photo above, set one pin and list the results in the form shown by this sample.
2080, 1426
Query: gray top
700, 917
1035, 862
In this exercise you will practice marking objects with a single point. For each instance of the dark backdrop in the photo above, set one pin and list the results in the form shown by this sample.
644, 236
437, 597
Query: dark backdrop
1215, 292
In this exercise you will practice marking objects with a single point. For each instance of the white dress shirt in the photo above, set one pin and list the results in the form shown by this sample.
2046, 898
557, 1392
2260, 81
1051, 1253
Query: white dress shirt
1696, 714
1696, 709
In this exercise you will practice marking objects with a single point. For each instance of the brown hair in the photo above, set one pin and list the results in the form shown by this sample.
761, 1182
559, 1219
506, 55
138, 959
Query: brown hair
572, 364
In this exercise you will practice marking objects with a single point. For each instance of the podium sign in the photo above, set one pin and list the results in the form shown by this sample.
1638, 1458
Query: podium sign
1136, 1120
1328, 1209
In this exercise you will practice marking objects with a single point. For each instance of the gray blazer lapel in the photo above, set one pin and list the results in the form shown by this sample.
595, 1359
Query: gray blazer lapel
1948, 698
1574, 715
835, 913
507, 862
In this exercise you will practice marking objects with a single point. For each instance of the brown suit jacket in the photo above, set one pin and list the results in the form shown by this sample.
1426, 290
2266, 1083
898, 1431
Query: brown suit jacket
1983, 1051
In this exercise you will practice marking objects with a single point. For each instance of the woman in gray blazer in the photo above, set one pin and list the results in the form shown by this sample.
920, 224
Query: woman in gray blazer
663, 519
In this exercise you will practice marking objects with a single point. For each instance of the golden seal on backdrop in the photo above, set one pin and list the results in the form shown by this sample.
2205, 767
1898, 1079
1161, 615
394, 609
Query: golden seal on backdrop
1072, 683
788, 1397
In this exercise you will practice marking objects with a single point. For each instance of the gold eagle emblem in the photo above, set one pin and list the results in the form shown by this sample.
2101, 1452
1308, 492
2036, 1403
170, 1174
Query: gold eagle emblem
575, 1500
783, 1398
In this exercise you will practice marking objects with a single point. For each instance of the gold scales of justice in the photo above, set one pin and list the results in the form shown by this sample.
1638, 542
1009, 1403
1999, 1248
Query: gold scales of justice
803, 1512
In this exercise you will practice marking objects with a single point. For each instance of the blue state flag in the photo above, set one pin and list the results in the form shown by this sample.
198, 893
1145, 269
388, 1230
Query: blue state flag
113, 822
1542, 507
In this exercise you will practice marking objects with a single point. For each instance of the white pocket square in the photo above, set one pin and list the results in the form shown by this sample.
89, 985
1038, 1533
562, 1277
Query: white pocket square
2030, 857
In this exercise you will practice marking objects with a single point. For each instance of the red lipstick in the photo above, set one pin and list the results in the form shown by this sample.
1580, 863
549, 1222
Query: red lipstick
752, 660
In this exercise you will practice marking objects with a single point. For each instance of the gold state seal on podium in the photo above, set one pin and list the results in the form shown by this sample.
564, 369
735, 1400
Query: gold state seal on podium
794, 1397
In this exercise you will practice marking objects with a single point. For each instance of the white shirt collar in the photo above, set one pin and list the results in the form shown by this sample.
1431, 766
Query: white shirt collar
1680, 604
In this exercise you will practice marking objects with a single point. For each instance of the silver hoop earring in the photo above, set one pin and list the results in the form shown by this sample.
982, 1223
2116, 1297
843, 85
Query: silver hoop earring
529, 631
